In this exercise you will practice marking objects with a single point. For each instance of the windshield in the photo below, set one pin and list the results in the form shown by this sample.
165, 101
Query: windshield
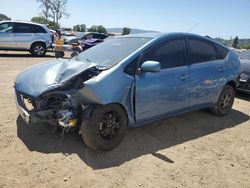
245, 55
112, 51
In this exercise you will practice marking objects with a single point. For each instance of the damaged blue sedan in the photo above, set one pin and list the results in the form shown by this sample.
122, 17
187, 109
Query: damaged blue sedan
129, 81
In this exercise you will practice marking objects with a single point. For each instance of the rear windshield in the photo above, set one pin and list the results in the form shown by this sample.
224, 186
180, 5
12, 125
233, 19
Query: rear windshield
112, 51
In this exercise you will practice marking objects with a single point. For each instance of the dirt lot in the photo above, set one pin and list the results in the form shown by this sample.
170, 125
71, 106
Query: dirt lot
192, 150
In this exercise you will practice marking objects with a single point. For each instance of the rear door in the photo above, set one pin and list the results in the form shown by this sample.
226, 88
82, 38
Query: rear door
208, 71
23, 35
7, 40
160, 93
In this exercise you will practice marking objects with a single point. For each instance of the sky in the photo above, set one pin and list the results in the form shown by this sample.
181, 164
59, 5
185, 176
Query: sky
216, 18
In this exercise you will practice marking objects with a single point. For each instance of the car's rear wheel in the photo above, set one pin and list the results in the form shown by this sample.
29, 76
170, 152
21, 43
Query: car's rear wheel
225, 101
106, 127
38, 49
59, 54
73, 54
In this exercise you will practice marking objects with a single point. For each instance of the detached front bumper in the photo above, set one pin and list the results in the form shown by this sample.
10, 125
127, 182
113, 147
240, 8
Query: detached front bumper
22, 110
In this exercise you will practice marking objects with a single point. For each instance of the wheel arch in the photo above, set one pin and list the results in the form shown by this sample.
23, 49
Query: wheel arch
88, 110
232, 83
35, 42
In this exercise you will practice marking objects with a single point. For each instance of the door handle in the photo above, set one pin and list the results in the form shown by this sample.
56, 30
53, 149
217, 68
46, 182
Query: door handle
183, 77
221, 69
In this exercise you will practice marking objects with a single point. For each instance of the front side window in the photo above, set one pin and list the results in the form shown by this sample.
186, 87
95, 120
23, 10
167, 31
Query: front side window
6, 28
88, 36
201, 51
170, 53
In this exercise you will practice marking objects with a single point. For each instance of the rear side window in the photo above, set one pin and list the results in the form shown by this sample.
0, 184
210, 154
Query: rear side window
222, 51
201, 51
23, 28
170, 53
38, 29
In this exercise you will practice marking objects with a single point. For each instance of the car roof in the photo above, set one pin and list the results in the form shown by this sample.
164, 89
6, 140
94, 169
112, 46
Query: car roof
19, 21
158, 35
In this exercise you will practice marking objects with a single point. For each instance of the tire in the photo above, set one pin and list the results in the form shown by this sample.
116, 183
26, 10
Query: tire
73, 54
77, 49
59, 54
97, 132
225, 101
38, 49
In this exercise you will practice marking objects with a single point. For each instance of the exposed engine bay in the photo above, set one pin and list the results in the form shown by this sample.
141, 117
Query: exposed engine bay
61, 106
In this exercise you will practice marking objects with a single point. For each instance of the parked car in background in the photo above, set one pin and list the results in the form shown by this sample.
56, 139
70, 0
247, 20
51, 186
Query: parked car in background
84, 45
19, 35
78, 44
67, 31
129, 81
244, 85
84, 36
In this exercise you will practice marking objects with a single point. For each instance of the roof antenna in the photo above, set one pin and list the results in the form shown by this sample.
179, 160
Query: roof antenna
193, 27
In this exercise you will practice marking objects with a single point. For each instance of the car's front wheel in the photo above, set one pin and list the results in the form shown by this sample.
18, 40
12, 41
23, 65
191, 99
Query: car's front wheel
225, 101
106, 127
38, 49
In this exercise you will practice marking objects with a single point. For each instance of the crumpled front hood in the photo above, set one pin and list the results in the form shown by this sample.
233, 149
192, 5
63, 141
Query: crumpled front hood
49, 75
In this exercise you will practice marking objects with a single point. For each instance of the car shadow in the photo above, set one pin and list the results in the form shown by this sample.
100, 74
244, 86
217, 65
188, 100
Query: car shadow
137, 142
22, 55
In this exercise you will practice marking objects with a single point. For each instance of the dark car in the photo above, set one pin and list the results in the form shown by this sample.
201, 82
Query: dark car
244, 85
85, 36
129, 81
84, 45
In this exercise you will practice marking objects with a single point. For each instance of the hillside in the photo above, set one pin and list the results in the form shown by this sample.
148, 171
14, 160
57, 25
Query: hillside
242, 42
133, 30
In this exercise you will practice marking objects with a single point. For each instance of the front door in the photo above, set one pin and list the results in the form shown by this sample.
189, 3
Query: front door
6, 36
161, 93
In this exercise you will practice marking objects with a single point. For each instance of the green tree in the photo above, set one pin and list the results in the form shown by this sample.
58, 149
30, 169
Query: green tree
126, 31
39, 19
235, 42
80, 28
42, 20
54, 9
46, 7
53, 25
58, 10
93, 28
4, 17
99, 29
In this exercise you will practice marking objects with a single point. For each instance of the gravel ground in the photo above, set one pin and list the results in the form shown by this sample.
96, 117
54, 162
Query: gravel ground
196, 149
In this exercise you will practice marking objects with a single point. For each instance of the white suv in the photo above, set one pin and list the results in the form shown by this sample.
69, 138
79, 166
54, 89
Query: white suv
19, 35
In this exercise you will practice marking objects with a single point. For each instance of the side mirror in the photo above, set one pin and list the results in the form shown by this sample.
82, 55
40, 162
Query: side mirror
150, 66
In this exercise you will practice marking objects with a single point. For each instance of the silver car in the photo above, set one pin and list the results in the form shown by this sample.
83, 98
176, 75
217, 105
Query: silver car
19, 35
